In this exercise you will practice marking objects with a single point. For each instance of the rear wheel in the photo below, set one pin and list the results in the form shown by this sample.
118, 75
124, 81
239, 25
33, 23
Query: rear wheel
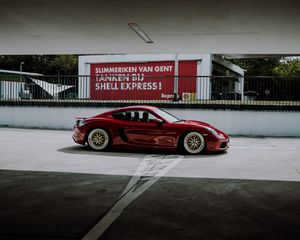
193, 143
98, 139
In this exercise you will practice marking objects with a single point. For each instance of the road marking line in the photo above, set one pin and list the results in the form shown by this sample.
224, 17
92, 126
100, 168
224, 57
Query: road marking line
151, 169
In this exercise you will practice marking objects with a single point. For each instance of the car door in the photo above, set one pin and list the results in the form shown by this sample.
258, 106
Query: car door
144, 132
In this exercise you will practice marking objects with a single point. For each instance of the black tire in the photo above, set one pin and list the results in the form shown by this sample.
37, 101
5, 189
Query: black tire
99, 139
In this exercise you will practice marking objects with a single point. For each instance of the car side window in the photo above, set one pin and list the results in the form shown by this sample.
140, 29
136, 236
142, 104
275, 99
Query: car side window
119, 115
146, 116
135, 115
125, 115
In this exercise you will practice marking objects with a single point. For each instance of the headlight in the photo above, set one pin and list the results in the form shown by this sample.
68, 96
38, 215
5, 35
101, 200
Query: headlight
212, 131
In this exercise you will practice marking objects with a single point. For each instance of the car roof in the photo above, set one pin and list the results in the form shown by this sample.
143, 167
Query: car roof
152, 110
140, 107
129, 108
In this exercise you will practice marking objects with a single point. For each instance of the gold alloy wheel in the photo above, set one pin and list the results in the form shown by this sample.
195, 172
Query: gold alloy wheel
98, 139
193, 142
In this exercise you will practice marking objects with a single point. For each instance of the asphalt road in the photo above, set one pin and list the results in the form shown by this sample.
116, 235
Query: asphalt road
52, 188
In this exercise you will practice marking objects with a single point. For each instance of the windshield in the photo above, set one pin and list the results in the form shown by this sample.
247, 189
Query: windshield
166, 116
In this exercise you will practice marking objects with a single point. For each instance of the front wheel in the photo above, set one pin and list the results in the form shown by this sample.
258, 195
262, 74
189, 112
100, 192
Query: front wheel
193, 143
98, 139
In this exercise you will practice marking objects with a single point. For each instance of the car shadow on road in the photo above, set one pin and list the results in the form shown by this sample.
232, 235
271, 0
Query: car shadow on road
84, 150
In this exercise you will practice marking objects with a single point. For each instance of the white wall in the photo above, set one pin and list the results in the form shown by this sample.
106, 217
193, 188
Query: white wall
233, 122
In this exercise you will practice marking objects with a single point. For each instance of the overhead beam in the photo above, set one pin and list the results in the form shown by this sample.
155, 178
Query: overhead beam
174, 26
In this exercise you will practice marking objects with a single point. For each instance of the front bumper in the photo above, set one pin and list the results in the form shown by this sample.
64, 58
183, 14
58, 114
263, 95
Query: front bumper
219, 145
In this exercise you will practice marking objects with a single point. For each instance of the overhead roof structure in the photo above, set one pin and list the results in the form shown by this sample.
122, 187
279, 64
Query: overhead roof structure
19, 73
173, 26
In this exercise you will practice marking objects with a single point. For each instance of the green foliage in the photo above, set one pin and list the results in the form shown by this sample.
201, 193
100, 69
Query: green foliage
258, 66
283, 83
68, 65
64, 65
44, 64
284, 67
289, 67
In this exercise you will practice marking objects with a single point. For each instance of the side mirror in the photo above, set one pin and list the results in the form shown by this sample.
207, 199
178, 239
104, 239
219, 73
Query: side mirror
158, 121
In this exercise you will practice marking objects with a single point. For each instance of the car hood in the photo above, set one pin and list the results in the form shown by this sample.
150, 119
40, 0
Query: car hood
198, 123
204, 124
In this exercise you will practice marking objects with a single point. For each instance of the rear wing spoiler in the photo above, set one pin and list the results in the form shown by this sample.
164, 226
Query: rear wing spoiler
79, 119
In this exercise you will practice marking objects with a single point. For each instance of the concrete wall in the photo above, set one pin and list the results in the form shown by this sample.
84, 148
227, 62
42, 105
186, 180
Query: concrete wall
246, 123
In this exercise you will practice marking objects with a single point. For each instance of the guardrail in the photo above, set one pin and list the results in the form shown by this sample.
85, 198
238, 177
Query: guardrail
217, 92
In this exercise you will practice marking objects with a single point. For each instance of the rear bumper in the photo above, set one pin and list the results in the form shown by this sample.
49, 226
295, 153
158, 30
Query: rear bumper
78, 136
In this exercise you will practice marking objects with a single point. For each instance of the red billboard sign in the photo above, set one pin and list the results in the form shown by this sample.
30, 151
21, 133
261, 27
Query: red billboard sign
136, 81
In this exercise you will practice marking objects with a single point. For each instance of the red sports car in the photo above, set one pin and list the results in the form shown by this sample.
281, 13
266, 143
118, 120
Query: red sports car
147, 127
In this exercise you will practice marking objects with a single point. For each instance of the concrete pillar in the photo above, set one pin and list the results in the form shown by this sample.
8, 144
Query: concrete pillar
176, 72
241, 81
204, 71
84, 81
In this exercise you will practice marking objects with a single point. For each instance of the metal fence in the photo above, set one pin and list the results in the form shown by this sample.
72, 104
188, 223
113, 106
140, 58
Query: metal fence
188, 91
